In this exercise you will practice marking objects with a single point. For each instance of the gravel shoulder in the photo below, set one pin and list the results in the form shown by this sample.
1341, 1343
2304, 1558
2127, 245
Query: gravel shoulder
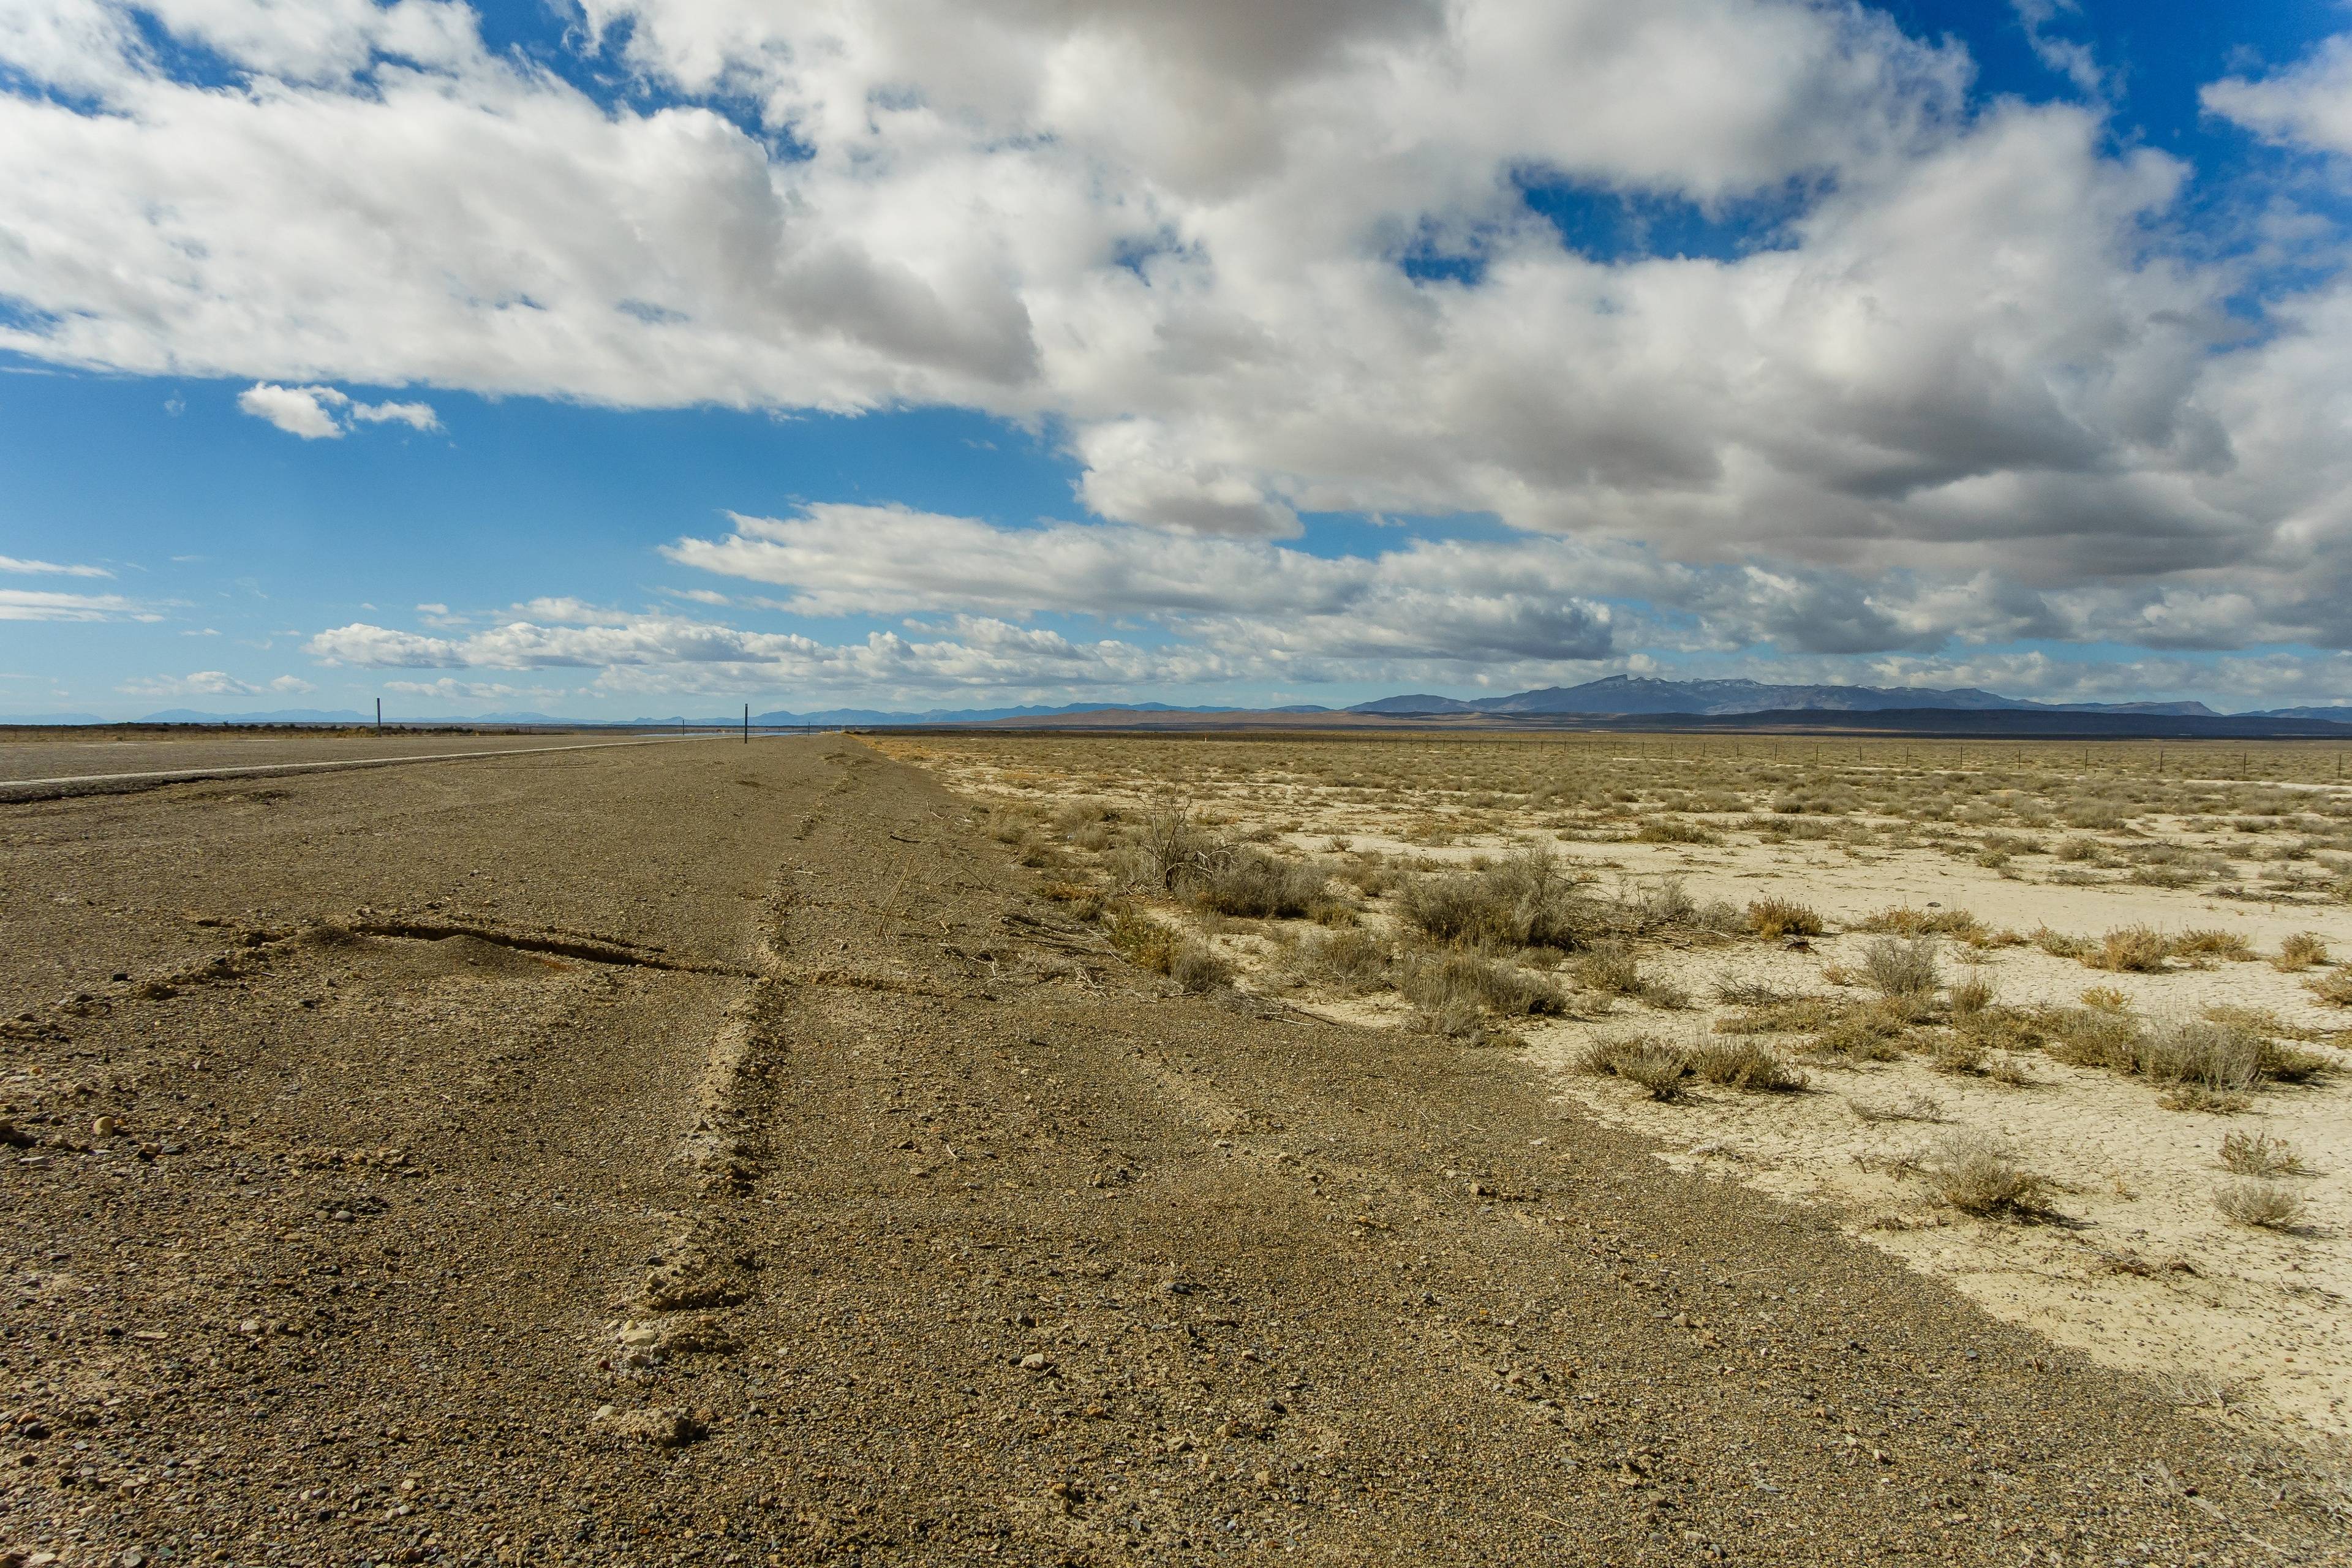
704, 1154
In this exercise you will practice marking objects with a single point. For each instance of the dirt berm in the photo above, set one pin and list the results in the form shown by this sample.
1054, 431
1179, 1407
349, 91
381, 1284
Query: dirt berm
716, 1154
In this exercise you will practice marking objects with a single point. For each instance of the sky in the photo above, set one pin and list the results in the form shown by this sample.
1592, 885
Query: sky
643, 357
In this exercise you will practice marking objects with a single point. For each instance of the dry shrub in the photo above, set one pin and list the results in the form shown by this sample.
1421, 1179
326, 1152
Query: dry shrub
1612, 969
1667, 905
1978, 1173
1198, 967
2302, 951
1350, 960
2057, 944
1913, 1108
1902, 968
1971, 997
1146, 942
1772, 919
1255, 885
2090, 1037
1749, 994
2335, 987
1743, 1064
1958, 1053
2208, 943
1864, 1033
2283, 1063
1437, 982
2260, 1154
1902, 920
1675, 830
2264, 1204
1657, 1067
1526, 899
2198, 1052
2130, 949
1784, 1016
2106, 998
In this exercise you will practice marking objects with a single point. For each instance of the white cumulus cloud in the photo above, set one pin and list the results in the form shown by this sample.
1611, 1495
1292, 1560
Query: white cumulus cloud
325, 413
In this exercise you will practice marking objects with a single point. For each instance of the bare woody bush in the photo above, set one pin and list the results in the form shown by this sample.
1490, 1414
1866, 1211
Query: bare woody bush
1980, 1174
1658, 1067
1902, 968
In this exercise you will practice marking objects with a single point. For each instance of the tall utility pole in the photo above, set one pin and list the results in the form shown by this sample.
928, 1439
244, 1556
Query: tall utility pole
379, 715
747, 723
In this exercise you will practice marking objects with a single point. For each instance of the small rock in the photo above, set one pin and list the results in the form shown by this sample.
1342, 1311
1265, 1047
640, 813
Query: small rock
661, 1426
343, 1217
105, 1127
251, 1326
1036, 1361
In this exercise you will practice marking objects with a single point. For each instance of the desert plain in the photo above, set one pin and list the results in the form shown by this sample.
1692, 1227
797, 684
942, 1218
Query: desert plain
970, 1147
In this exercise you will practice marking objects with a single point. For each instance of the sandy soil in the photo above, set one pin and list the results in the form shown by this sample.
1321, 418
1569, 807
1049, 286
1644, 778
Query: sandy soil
689, 1156
2136, 1268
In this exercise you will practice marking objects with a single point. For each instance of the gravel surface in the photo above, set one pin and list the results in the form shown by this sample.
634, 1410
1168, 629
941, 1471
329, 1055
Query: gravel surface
703, 1154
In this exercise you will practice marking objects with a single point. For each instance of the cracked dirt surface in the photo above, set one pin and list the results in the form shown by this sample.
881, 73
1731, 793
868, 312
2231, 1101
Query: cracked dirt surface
372, 1197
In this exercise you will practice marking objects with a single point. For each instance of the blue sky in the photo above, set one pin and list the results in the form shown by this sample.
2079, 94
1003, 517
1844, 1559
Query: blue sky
651, 358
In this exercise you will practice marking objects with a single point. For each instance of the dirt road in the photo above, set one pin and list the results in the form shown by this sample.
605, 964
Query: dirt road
704, 1153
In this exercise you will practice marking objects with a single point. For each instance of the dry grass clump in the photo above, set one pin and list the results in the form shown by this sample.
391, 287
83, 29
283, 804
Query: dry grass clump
2335, 987
1198, 967
2202, 1051
1354, 961
1612, 969
1772, 919
1971, 997
1145, 941
2207, 943
1255, 885
2263, 1204
1447, 984
1902, 968
1746, 1065
1526, 899
2130, 949
1902, 920
2304, 950
1656, 1067
1675, 830
2090, 1037
2260, 1154
2143, 949
1766, 1012
1868, 1033
1980, 1174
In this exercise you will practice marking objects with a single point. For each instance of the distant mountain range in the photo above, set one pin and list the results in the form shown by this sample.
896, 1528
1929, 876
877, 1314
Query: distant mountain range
1629, 694
1618, 696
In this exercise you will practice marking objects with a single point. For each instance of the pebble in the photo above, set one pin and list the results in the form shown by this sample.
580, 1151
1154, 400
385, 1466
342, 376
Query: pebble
105, 1127
1035, 1361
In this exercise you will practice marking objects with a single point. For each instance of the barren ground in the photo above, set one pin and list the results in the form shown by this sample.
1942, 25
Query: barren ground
2130, 1262
709, 1153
